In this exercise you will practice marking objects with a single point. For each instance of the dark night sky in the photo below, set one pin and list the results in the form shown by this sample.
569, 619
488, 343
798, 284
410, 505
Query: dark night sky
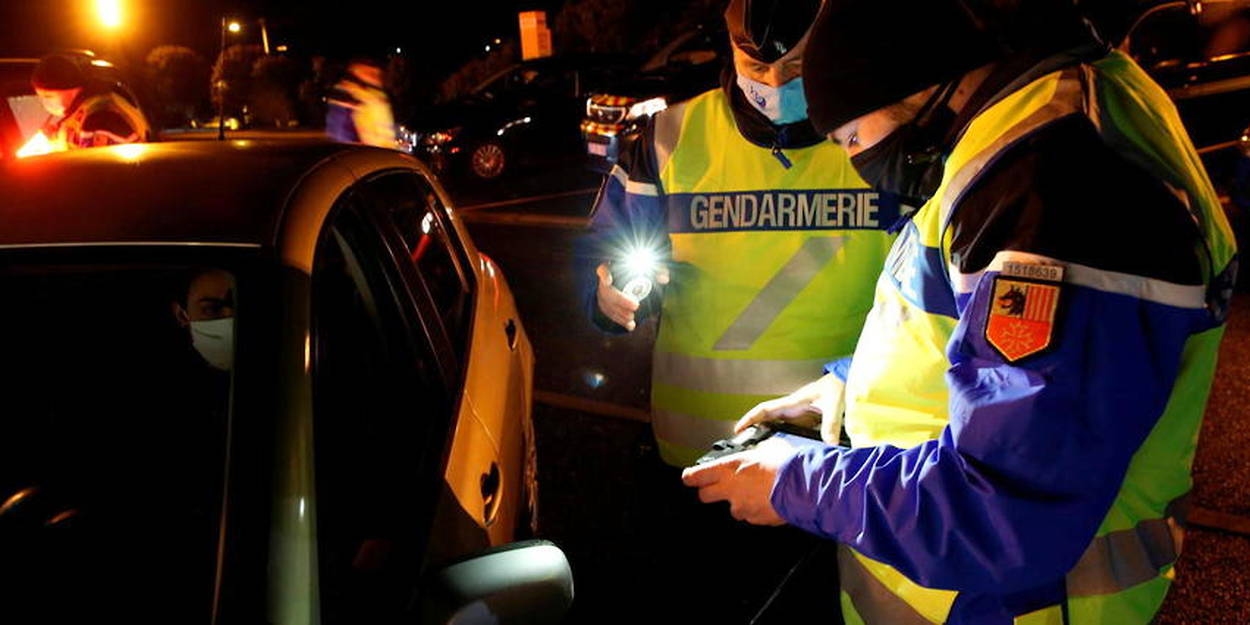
445, 32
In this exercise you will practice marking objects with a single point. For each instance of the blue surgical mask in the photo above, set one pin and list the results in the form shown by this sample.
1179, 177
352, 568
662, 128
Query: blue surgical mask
781, 105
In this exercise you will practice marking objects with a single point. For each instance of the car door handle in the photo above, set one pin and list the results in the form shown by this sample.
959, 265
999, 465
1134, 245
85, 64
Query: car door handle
510, 330
491, 482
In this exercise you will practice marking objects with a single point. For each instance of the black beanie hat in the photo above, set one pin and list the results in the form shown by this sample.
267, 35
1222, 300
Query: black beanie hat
58, 72
864, 55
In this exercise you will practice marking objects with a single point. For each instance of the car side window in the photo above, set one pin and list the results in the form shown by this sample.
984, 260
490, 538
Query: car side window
433, 248
112, 475
380, 415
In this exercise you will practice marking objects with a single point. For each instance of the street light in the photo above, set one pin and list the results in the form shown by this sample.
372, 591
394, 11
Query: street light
110, 13
235, 27
232, 26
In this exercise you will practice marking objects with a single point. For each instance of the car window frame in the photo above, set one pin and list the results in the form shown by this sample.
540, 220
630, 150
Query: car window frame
420, 290
417, 314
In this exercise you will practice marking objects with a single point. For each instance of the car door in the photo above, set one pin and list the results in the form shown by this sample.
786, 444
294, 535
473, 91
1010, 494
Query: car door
487, 470
382, 409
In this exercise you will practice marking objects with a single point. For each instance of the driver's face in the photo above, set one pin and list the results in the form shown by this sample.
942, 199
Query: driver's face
210, 296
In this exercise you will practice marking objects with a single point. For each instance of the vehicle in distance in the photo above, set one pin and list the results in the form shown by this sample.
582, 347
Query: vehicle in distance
686, 67
253, 381
523, 118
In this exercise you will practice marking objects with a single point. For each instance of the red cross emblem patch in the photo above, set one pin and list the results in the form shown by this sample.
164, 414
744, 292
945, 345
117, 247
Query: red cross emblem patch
1021, 320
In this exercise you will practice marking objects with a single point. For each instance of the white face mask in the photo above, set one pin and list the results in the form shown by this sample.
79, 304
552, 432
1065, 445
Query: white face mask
214, 340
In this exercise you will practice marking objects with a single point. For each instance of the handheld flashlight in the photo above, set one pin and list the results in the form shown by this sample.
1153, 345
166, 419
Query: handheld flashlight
635, 271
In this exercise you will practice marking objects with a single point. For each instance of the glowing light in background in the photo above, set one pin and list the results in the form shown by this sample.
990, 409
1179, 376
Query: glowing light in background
234, 27
110, 13
594, 379
131, 151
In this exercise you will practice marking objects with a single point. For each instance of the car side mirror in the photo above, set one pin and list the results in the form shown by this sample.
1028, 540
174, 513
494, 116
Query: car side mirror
527, 582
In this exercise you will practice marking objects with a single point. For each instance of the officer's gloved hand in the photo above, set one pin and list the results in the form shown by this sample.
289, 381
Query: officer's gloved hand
820, 402
618, 306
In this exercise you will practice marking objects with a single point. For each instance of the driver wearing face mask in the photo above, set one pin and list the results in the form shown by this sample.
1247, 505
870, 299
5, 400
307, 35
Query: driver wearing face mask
769, 240
207, 313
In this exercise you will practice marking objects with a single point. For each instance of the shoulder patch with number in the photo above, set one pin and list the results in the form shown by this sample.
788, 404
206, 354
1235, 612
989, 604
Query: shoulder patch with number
1021, 320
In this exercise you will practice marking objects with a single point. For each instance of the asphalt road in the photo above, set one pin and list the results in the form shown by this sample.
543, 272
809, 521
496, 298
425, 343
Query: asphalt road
643, 549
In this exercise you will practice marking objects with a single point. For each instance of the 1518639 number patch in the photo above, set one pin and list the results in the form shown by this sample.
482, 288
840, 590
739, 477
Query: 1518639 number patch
1021, 320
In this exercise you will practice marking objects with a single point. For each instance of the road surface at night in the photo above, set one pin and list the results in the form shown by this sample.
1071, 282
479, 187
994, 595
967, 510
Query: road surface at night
636, 542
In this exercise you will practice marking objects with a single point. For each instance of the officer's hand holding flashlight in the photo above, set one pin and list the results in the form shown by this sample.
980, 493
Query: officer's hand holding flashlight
614, 304
636, 272
820, 402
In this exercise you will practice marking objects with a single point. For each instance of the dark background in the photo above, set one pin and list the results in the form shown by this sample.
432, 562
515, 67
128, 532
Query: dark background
442, 33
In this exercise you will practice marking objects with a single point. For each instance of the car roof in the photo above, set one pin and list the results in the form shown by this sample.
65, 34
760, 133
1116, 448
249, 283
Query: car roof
209, 192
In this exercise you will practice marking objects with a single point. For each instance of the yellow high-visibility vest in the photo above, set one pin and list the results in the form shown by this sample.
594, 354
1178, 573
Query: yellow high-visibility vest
896, 392
772, 270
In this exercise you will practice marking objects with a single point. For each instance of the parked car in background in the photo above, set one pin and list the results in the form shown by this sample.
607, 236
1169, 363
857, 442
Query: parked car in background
521, 118
260, 381
687, 66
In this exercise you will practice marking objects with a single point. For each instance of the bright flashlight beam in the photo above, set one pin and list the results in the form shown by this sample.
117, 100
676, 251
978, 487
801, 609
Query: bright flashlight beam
234, 27
110, 13
641, 261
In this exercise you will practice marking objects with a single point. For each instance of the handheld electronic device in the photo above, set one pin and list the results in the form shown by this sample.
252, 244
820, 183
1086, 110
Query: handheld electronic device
753, 436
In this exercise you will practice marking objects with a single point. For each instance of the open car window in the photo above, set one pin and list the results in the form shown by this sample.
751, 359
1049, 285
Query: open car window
116, 384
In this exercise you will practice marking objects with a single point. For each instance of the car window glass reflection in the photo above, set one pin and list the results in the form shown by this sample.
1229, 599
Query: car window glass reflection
419, 215
374, 400
116, 384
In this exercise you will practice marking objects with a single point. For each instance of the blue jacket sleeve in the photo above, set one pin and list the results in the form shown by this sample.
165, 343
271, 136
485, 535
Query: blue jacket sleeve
1014, 489
840, 367
629, 211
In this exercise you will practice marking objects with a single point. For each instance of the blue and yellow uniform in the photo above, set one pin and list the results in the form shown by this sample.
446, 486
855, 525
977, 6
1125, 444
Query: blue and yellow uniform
1025, 400
773, 242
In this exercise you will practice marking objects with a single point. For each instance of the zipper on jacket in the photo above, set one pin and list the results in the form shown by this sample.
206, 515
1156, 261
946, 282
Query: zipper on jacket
781, 156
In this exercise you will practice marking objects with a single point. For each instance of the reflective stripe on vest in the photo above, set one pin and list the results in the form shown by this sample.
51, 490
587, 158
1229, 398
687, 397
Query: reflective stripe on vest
771, 273
895, 391
1121, 560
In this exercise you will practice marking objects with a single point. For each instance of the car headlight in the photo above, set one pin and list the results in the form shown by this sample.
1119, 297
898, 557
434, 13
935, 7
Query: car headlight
646, 108
441, 137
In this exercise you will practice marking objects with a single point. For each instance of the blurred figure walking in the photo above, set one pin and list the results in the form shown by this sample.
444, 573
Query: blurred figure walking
359, 110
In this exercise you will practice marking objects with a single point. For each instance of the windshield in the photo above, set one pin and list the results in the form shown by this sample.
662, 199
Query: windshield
115, 383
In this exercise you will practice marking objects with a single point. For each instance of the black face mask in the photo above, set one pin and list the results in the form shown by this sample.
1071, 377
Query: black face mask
909, 161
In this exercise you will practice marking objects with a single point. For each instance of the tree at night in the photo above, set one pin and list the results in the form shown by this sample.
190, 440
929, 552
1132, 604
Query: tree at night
178, 79
275, 90
232, 77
